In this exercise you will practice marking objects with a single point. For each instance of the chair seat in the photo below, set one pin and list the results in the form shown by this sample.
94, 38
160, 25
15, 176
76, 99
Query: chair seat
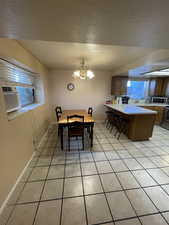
75, 132
76, 128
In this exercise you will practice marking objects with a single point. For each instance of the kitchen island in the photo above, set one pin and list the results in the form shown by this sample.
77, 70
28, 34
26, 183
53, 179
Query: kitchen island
141, 120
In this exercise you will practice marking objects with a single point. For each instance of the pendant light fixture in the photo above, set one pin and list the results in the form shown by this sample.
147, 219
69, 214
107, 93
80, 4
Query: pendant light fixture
83, 73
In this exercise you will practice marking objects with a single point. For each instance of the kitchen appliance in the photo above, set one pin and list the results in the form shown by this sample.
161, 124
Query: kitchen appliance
165, 122
125, 99
122, 99
11, 99
118, 100
109, 100
159, 99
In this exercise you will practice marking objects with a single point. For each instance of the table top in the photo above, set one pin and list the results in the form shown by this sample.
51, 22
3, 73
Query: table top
74, 111
82, 112
130, 109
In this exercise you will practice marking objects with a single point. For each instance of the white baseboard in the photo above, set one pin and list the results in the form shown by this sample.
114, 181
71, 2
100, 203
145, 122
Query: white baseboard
14, 186
23, 171
99, 121
42, 139
54, 123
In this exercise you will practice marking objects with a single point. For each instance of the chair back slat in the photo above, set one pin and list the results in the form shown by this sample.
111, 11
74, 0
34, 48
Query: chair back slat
76, 127
75, 122
75, 118
90, 111
58, 111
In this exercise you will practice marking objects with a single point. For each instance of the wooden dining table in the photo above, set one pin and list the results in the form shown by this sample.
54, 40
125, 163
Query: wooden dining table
88, 121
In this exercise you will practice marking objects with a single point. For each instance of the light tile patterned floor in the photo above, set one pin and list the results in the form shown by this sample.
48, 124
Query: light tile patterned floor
119, 182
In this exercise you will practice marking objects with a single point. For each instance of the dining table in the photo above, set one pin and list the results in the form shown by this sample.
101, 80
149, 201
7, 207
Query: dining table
63, 122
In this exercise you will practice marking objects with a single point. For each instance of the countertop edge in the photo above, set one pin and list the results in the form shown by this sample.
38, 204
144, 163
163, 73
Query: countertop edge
136, 112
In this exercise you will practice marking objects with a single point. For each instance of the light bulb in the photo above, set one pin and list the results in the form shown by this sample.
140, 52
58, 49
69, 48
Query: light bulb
90, 74
76, 74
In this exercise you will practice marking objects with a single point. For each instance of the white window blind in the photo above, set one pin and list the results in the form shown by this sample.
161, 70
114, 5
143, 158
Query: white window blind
13, 75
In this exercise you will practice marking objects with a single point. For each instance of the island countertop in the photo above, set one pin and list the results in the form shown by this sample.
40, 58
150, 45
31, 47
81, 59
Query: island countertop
130, 109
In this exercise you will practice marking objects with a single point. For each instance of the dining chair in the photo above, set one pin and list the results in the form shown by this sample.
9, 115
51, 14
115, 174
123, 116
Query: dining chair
75, 128
90, 111
116, 121
58, 111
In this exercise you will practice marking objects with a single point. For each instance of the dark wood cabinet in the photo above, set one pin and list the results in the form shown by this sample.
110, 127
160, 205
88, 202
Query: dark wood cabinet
159, 110
152, 86
119, 85
165, 91
156, 86
159, 86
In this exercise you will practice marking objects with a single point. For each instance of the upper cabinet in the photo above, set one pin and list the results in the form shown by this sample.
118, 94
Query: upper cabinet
152, 87
156, 87
159, 86
119, 85
165, 91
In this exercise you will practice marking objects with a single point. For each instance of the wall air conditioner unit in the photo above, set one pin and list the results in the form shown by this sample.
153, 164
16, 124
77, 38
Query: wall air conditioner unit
11, 98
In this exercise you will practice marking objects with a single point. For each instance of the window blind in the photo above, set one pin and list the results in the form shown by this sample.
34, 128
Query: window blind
15, 76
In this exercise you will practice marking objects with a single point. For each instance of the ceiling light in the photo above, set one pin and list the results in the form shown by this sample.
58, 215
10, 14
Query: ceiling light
83, 73
161, 72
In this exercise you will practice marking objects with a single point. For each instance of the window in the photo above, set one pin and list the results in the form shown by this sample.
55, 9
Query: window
136, 89
26, 84
26, 95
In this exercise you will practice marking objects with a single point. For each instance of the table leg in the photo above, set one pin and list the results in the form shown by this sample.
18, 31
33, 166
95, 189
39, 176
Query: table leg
91, 134
61, 136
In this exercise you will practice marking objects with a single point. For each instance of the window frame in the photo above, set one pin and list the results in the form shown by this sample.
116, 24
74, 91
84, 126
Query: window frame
20, 97
145, 88
10, 80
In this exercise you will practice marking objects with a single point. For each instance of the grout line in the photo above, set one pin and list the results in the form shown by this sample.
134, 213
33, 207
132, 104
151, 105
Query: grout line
42, 191
61, 208
106, 192
103, 189
115, 150
10, 214
16, 183
126, 193
147, 187
85, 206
159, 212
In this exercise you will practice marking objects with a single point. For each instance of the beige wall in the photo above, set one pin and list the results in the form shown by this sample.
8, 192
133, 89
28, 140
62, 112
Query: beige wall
159, 57
86, 93
17, 135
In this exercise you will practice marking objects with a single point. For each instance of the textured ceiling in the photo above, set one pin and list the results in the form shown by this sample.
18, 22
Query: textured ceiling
110, 22
68, 55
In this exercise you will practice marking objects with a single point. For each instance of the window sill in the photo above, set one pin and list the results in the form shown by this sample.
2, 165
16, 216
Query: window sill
19, 112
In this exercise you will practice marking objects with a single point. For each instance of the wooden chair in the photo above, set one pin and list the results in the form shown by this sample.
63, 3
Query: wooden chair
58, 111
75, 128
116, 121
122, 127
90, 111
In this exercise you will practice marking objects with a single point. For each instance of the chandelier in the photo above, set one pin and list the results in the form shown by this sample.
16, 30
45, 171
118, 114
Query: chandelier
83, 73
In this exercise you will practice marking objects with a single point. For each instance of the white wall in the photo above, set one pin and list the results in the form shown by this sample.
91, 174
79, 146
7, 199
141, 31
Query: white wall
86, 93
17, 135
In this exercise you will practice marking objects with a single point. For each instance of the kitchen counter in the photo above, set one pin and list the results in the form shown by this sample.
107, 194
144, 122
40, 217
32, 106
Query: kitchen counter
151, 104
140, 120
130, 109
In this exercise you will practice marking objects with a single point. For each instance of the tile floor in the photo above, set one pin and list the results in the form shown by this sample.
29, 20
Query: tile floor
119, 182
